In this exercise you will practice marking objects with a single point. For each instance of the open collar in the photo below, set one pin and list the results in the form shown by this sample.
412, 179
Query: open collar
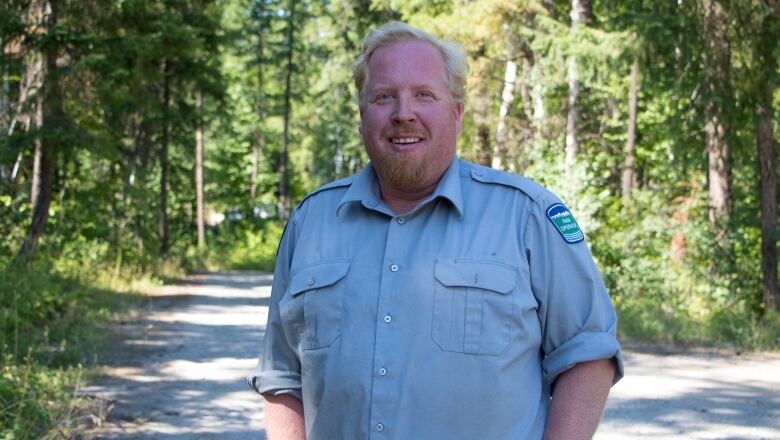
365, 189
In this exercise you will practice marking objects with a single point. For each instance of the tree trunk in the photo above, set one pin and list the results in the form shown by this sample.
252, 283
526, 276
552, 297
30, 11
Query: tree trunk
200, 204
501, 154
30, 86
37, 125
716, 62
581, 14
48, 114
537, 97
284, 202
163, 220
526, 84
767, 162
507, 98
257, 135
253, 170
767, 168
628, 165
5, 92
482, 100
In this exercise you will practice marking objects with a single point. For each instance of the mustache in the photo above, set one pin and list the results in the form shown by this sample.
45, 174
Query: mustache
406, 130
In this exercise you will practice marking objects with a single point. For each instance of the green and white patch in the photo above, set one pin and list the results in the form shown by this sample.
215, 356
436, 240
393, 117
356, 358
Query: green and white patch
564, 222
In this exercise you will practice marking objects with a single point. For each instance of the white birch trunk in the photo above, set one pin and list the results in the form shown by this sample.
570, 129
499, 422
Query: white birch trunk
507, 98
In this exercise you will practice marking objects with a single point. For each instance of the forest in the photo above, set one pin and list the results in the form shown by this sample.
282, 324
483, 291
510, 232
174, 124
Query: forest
143, 139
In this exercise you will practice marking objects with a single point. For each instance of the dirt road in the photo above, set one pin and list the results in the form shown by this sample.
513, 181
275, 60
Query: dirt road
182, 377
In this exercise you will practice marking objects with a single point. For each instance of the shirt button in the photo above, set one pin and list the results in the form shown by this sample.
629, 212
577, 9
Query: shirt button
394, 267
380, 427
388, 318
382, 371
477, 172
401, 220
310, 282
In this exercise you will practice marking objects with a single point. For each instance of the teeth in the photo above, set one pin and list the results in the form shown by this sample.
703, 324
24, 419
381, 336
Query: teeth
408, 140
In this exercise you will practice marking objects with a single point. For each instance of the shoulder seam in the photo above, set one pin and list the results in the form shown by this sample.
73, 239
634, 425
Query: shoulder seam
346, 181
485, 174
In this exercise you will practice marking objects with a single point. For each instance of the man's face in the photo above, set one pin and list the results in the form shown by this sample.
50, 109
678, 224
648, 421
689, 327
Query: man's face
409, 120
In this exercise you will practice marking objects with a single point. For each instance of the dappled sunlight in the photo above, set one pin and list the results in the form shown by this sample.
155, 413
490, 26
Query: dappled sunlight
222, 369
186, 364
243, 315
695, 396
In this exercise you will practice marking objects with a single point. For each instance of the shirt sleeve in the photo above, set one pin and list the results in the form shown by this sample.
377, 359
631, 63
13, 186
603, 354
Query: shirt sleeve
278, 370
577, 318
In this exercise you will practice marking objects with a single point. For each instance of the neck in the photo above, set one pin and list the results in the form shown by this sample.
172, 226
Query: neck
402, 201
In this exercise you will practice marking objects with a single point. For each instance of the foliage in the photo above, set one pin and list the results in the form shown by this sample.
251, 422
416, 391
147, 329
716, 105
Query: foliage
243, 246
38, 402
52, 334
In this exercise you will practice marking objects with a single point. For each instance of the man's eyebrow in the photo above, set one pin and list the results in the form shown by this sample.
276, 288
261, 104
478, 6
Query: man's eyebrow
414, 86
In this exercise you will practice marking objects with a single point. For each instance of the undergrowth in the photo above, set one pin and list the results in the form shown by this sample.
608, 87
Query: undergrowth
53, 335
239, 246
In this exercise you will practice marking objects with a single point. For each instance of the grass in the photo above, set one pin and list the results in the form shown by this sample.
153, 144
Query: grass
735, 328
53, 337
54, 316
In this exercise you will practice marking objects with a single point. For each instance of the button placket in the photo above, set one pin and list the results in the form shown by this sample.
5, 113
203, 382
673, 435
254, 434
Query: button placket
384, 386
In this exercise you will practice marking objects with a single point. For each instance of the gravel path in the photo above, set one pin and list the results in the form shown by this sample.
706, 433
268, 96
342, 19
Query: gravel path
183, 363
183, 372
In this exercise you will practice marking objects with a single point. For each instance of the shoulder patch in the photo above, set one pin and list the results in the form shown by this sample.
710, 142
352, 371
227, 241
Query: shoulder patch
564, 222
490, 175
347, 181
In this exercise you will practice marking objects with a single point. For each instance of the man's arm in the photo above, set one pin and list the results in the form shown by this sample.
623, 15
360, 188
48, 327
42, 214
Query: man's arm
578, 400
284, 417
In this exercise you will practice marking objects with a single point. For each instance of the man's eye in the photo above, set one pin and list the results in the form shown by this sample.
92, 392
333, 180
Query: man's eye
424, 94
383, 97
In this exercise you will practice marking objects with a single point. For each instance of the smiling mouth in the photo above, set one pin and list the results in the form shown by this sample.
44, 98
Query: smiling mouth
405, 140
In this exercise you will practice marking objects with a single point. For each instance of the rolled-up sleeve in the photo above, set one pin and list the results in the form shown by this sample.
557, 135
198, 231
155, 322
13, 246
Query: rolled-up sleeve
576, 315
278, 369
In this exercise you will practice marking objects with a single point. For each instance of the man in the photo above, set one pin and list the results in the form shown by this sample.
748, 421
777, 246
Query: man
428, 297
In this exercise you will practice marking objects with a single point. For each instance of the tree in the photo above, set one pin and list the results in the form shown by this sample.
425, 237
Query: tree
284, 196
200, 202
47, 114
581, 15
627, 182
765, 47
167, 71
716, 72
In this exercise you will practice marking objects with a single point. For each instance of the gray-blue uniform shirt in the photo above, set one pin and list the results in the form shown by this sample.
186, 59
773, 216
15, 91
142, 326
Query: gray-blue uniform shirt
451, 321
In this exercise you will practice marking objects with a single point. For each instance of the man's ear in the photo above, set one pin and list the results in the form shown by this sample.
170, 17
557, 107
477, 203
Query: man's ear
458, 114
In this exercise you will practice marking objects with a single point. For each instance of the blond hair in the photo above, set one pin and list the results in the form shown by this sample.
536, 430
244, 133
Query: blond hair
455, 63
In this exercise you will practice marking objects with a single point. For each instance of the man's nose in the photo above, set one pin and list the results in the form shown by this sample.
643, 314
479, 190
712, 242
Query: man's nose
404, 110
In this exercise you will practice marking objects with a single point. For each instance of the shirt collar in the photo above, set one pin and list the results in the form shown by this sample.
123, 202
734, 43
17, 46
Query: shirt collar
365, 188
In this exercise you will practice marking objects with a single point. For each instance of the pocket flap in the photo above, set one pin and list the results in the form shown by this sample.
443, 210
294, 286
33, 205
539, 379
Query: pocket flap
484, 275
318, 276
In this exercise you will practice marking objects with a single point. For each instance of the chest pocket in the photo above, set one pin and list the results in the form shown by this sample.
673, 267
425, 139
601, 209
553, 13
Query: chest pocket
311, 311
473, 306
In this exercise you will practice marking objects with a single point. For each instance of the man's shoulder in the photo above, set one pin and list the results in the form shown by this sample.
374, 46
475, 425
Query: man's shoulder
491, 176
335, 185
